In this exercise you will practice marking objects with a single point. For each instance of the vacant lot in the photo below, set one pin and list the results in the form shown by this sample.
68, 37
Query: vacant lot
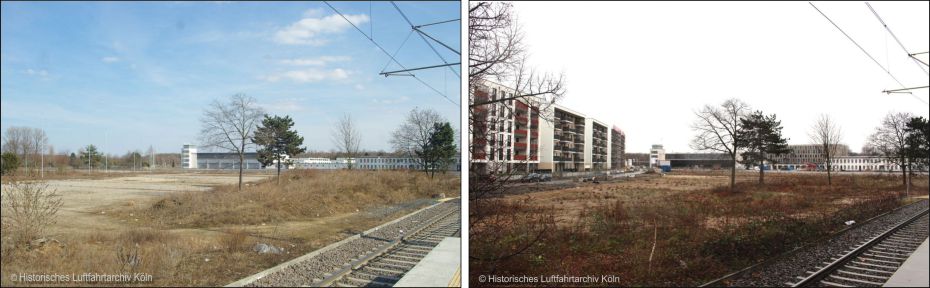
678, 229
196, 229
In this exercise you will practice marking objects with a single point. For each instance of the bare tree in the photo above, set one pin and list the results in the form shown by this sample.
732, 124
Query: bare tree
828, 134
497, 55
495, 41
230, 126
20, 140
39, 144
718, 130
413, 136
890, 139
347, 138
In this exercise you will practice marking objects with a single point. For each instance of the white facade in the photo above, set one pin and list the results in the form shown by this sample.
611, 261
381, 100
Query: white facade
864, 163
656, 154
189, 156
565, 131
364, 163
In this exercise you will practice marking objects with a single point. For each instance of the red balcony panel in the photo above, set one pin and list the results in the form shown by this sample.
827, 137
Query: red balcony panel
521, 119
522, 106
519, 157
520, 131
519, 144
534, 158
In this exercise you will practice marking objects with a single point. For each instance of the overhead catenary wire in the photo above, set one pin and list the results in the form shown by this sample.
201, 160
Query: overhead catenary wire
420, 33
864, 51
880, 20
389, 54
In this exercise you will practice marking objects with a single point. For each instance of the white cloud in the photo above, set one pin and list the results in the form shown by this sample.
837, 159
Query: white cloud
359, 87
40, 73
110, 59
317, 61
309, 75
309, 30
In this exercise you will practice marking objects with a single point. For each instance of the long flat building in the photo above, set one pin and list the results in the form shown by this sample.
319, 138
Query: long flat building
191, 159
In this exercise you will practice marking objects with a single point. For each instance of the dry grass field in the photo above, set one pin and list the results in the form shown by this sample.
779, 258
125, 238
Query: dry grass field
197, 230
683, 228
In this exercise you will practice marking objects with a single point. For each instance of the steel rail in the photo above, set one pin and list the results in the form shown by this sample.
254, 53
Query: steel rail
826, 271
357, 264
720, 281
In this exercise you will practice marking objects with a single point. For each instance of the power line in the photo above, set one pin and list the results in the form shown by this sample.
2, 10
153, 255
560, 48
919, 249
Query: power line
895, 38
398, 50
420, 33
863, 50
904, 90
388, 54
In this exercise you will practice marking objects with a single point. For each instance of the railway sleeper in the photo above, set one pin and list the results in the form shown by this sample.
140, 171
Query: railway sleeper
869, 269
832, 284
878, 251
390, 266
383, 271
897, 263
368, 274
875, 265
398, 262
861, 276
846, 279
884, 256
378, 281
892, 248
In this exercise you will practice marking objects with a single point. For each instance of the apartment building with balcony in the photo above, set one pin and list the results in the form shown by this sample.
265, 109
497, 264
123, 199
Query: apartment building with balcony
563, 142
504, 135
617, 148
597, 150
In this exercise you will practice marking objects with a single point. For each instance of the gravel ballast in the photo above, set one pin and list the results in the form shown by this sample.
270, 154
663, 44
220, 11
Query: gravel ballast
784, 270
306, 272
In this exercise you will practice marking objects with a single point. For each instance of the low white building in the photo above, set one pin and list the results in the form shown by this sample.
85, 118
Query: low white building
864, 163
845, 163
192, 159
365, 163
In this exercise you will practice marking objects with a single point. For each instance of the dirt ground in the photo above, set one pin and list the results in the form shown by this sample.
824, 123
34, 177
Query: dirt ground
86, 201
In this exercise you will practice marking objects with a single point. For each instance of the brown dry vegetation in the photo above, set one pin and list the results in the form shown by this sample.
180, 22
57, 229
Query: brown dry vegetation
699, 228
206, 238
302, 194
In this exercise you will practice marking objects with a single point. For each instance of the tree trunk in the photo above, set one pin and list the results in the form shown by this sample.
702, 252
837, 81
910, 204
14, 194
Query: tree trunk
829, 177
241, 162
279, 171
733, 171
903, 170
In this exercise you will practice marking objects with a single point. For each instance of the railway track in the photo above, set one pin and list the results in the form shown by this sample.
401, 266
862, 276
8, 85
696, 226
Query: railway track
872, 262
386, 265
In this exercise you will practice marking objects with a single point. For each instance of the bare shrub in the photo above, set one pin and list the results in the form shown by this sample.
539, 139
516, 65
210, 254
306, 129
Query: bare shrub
29, 208
234, 240
127, 258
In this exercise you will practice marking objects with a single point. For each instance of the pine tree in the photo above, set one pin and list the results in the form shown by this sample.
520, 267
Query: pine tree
762, 139
279, 143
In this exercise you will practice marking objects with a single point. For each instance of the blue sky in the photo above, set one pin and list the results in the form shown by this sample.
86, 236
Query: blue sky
125, 76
